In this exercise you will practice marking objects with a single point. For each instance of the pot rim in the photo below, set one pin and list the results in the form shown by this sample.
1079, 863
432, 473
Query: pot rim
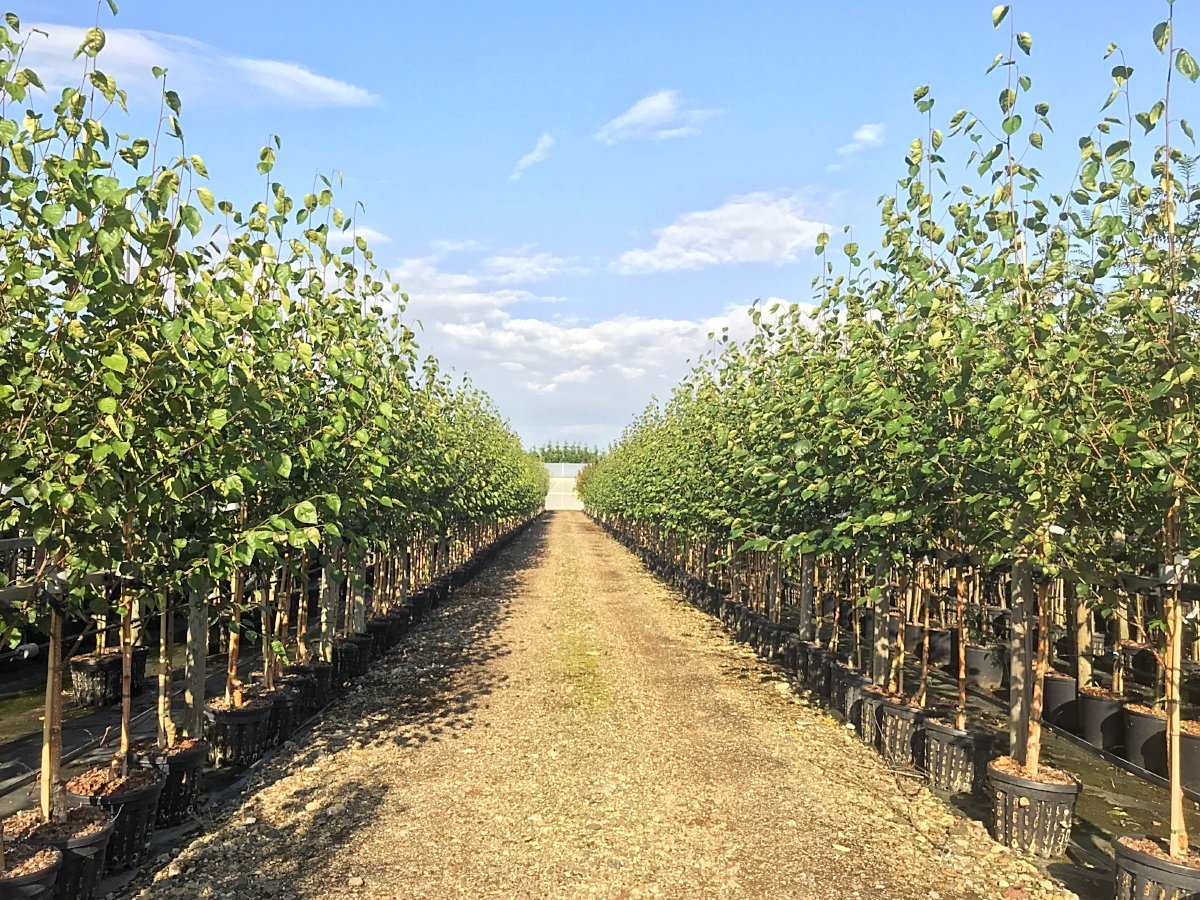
121, 797
932, 724
35, 877
1074, 789
1124, 851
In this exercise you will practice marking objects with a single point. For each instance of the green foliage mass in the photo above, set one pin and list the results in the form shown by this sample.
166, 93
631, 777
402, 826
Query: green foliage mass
186, 386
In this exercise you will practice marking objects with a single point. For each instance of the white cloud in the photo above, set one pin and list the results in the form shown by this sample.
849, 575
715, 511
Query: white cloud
197, 70
869, 134
553, 376
761, 227
373, 237
539, 153
523, 268
659, 116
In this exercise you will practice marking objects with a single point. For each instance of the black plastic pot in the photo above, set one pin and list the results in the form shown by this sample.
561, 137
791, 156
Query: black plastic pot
181, 783
948, 757
381, 632
135, 812
1032, 816
803, 649
96, 680
321, 674
304, 684
987, 667
1189, 760
237, 737
1140, 663
1059, 704
83, 864
939, 646
899, 725
1101, 721
365, 645
35, 885
870, 712
345, 662
1140, 875
1146, 740
912, 639
282, 718
816, 676
852, 696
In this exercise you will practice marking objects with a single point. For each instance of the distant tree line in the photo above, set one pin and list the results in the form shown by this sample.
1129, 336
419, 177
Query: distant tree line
563, 452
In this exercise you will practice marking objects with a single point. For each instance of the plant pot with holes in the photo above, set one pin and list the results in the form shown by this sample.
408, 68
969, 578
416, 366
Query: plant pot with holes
236, 736
818, 673
381, 632
948, 756
304, 685
870, 711
1033, 815
30, 872
82, 836
366, 652
1144, 869
852, 697
900, 724
1146, 738
1060, 704
939, 646
345, 662
321, 674
180, 768
132, 801
96, 678
1101, 716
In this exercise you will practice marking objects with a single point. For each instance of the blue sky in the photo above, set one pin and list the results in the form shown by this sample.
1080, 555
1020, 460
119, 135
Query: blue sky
678, 159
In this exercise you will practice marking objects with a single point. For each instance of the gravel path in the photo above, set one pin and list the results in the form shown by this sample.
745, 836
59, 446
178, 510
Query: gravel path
565, 726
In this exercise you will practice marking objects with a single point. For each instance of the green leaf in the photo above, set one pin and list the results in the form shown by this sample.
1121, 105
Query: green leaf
218, 418
117, 361
1025, 41
1185, 64
93, 43
305, 513
1035, 138
107, 405
52, 213
1012, 125
281, 361
998, 14
206, 198
1162, 34
191, 218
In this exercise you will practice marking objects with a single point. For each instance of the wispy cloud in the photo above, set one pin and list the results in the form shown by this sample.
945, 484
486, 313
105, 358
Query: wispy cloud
373, 237
539, 153
199, 71
659, 116
869, 134
762, 227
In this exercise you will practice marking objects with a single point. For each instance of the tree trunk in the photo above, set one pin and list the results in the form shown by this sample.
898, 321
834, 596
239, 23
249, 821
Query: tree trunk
960, 609
50, 788
879, 665
166, 726
1033, 740
126, 687
1083, 635
923, 685
1019, 662
195, 671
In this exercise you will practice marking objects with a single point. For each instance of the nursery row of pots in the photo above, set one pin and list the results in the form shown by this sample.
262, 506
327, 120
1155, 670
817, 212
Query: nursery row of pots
109, 822
1034, 816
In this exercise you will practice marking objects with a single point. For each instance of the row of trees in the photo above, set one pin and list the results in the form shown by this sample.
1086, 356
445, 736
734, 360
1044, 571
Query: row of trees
564, 452
1011, 375
194, 392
